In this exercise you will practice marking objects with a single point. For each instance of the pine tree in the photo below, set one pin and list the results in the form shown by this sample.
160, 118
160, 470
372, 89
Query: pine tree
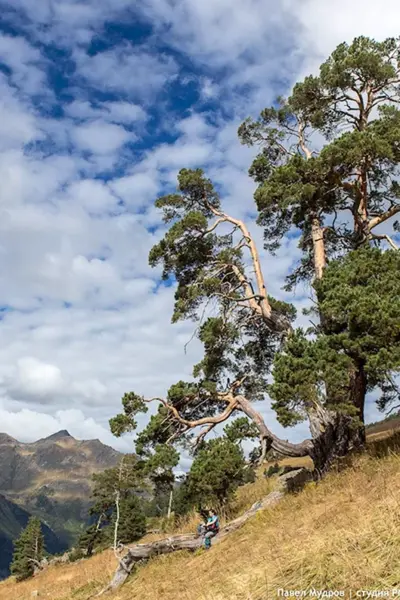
132, 520
93, 536
328, 171
216, 472
28, 550
116, 506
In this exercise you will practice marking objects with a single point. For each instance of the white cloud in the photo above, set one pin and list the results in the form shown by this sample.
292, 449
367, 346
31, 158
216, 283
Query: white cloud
127, 70
93, 195
87, 319
136, 190
24, 62
36, 378
113, 112
99, 137
17, 122
197, 27
324, 25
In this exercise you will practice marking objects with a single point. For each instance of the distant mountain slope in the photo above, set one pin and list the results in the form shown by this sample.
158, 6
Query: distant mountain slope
51, 478
13, 519
59, 461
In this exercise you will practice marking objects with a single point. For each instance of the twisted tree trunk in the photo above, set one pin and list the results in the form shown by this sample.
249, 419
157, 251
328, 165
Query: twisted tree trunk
334, 434
338, 435
268, 439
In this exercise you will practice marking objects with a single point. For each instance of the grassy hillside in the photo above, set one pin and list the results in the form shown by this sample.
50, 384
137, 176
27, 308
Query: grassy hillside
341, 534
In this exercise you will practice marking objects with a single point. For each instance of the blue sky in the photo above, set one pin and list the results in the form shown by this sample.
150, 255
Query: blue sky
101, 103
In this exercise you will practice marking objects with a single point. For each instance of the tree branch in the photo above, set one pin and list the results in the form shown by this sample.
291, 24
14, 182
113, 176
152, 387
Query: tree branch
115, 546
203, 433
237, 401
384, 217
272, 441
35, 562
215, 225
262, 290
302, 141
386, 237
232, 405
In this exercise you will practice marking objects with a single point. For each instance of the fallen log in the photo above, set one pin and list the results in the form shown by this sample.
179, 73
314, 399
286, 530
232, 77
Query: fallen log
141, 553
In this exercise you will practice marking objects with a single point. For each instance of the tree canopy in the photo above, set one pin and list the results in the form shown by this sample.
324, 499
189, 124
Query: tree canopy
327, 171
217, 470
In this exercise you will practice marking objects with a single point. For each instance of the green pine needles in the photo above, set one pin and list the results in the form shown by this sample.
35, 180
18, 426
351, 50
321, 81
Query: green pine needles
28, 550
327, 169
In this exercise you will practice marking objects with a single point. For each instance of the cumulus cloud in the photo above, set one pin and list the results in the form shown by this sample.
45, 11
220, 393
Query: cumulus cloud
18, 125
24, 63
36, 378
99, 137
324, 25
83, 318
126, 70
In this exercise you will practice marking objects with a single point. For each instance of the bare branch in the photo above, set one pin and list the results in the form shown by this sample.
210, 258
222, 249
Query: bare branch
392, 409
386, 237
272, 441
302, 141
262, 290
384, 217
115, 546
215, 225
232, 404
35, 562
117, 499
203, 433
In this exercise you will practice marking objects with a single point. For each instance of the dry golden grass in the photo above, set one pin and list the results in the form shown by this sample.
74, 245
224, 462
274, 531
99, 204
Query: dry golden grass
343, 533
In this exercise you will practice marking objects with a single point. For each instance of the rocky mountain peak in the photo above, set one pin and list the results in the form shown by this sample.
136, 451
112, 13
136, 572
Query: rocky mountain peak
7, 439
59, 435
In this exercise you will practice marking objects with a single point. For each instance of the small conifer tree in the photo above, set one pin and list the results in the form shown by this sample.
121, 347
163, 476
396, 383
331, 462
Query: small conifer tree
28, 550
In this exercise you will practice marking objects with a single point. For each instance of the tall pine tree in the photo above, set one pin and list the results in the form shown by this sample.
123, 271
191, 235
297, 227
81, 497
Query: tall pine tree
328, 171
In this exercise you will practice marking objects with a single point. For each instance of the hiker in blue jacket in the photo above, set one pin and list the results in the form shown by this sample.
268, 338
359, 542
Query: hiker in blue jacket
209, 528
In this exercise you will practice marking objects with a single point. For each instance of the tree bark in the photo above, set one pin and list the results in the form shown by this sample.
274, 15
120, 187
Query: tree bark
317, 236
171, 494
358, 388
335, 435
268, 439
